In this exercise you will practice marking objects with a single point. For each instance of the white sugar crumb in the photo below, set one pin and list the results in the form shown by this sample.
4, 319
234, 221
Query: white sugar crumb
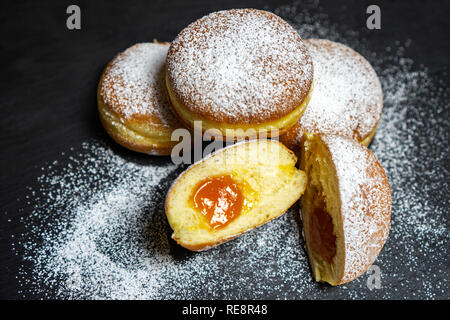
102, 210
96, 225
134, 85
240, 65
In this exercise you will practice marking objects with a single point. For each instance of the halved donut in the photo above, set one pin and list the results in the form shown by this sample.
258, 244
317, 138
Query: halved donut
346, 207
232, 191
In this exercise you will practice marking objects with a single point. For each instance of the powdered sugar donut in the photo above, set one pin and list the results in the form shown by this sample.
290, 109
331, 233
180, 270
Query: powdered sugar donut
347, 98
132, 100
239, 69
346, 208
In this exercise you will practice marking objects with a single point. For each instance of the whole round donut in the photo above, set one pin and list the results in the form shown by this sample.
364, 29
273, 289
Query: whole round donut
132, 100
239, 69
347, 98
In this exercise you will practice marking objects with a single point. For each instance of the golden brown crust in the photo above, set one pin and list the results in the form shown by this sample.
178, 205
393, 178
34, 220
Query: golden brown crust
347, 98
133, 144
244, 81
230, 132
376, 196
132, 100
291, 138
365, 204
205, 246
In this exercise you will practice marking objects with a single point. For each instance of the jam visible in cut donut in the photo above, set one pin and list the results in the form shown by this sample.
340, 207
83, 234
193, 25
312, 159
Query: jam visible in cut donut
219, 199
322, 239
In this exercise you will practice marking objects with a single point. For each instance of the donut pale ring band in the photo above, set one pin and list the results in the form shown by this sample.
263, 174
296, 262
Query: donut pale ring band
347, 98
236, 130
132, 100
346, 208
237, 70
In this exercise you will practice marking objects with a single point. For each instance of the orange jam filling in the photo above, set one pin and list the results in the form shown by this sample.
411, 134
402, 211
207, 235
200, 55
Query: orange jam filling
219, 199
323, 239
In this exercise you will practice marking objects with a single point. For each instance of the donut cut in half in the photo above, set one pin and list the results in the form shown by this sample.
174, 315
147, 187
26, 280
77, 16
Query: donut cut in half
232, 191
346, 207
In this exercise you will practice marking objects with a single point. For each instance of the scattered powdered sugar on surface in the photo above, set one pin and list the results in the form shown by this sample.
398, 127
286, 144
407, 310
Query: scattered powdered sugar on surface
134, 84
96, 224
240, 66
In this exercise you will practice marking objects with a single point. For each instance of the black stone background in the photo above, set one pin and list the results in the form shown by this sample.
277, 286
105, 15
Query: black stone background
49, 77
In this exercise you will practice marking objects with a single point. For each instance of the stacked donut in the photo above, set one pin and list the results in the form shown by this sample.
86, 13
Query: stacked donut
247, 75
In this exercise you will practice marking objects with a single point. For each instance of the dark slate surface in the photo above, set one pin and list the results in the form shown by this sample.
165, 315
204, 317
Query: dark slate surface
50, 74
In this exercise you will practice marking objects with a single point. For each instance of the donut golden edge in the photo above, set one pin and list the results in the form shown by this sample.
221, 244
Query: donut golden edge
235, 131
131, 134
368, 139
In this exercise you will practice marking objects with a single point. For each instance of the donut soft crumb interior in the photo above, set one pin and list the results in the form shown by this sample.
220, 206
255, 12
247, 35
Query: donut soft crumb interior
347, 99
232, 191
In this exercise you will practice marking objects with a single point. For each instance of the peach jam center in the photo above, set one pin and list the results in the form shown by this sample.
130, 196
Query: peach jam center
323, 240
219, 199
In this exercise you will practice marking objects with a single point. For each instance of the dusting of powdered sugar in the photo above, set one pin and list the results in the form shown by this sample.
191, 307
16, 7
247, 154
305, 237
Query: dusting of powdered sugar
96, 226
347, 97
98, 231
365, 203
133, 84
411, 143
240, 66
